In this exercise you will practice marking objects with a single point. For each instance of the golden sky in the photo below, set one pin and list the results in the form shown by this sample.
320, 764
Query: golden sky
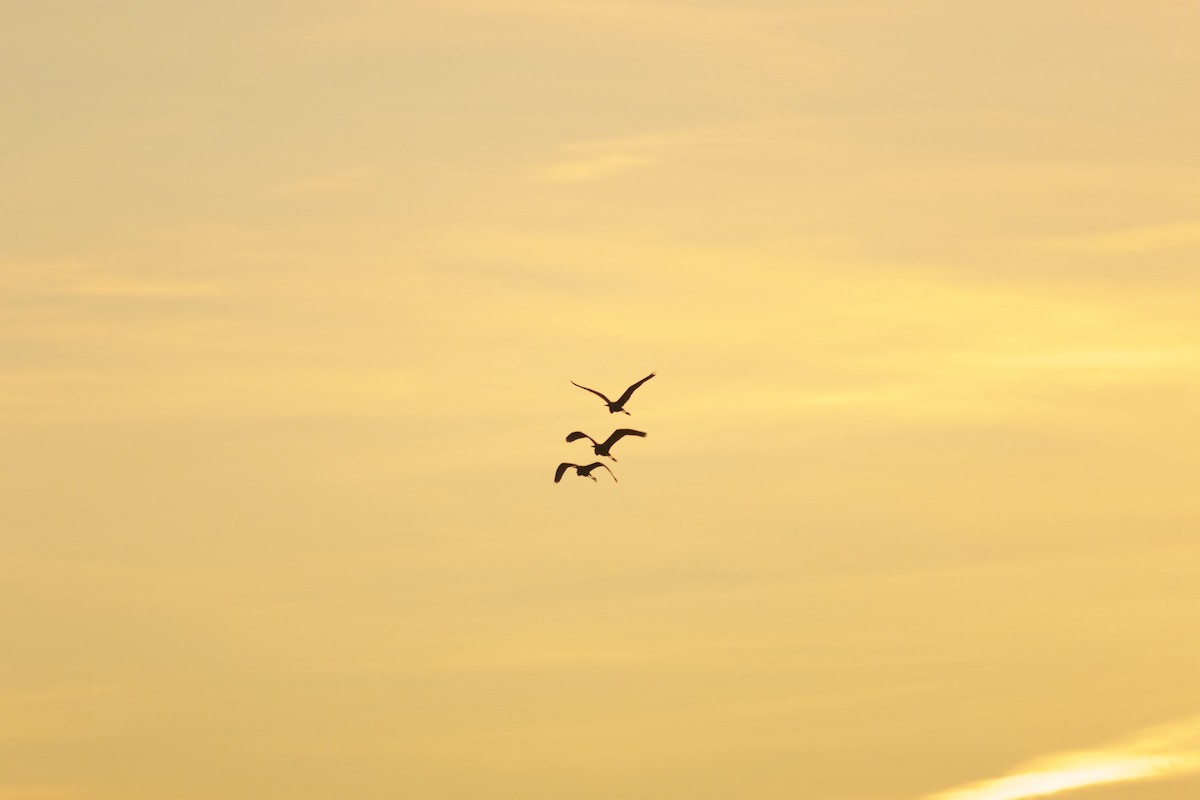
291, 296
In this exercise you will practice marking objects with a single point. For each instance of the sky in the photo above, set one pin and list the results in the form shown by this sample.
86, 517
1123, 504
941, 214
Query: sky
291, 300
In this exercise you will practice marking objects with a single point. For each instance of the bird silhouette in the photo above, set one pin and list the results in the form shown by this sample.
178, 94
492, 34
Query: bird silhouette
619, 404
583, 470
603, 448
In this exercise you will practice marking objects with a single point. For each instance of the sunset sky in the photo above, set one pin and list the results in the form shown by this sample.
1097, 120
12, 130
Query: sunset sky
291, 299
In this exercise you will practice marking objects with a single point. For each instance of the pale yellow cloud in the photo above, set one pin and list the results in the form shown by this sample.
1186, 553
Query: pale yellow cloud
587, 160
1157, 753
1099, 364
641, 18
461, 18
42, 792
337, 181
54, 713
58, 695
593, 166
62, 278
1138, 239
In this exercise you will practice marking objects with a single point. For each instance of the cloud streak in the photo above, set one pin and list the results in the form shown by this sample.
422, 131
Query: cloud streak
591, 167
342, 180
42, 792
1163, 752
65, 279
1140, 239
58, 695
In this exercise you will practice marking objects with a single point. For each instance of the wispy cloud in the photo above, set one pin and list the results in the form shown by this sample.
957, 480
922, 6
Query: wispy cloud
58, 695
43, 792
456, 20
337, 181
1163, 752
590, 166
595, 160
1135, 239
642, 18
79, 279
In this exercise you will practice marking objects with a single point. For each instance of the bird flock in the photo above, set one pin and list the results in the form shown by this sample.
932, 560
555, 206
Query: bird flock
604, 448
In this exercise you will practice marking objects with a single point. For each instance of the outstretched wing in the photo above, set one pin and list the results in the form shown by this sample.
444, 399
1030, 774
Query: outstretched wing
558, 473
593, 391
616, 435
623, 399
592, 466
574, 435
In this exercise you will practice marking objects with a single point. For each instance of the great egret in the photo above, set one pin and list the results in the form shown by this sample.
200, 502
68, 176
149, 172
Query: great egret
619, 404
584, 470
603, 448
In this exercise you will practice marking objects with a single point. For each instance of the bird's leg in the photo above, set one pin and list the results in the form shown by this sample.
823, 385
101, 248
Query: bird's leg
626, 413
592, 477
614, 458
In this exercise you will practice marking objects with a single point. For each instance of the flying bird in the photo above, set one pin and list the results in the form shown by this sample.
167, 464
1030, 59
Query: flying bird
619, 404
603, 448
584, 470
